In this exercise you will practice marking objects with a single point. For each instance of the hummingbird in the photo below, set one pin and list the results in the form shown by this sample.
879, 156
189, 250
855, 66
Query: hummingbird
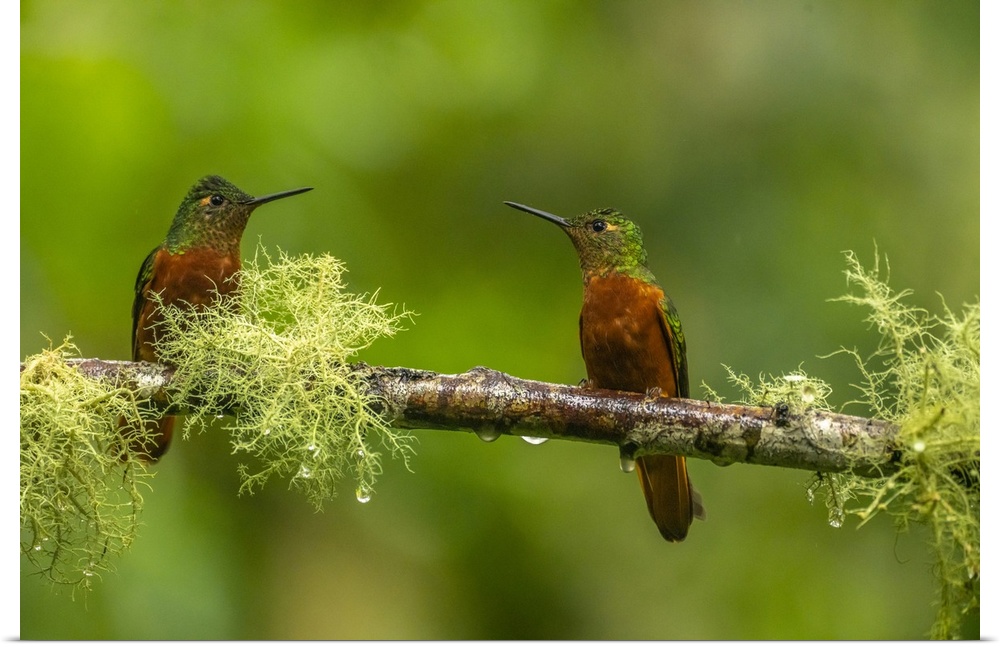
631, 338
196, 266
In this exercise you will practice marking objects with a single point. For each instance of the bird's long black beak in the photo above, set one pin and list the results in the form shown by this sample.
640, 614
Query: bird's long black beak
538, 212
277, 196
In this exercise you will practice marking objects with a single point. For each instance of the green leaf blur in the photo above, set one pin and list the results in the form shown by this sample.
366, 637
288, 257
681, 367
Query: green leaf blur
752, 142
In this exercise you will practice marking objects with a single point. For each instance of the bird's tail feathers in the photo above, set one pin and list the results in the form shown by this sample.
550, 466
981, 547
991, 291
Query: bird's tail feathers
671, 499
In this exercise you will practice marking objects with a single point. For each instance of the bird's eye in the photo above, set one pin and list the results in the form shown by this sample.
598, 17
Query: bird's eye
598, 226
216, 200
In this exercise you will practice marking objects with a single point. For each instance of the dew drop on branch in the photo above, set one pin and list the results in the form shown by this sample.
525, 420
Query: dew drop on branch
487, 435
625, 459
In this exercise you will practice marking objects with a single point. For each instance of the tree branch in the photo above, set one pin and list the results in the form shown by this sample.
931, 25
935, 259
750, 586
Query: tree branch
491, 403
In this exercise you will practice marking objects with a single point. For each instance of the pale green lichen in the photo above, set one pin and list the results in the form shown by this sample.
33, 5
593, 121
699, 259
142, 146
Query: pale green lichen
795, 389
923, 376
80, 486
279, 364
799, 392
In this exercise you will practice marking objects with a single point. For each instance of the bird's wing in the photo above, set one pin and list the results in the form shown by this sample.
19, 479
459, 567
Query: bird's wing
670, 324
670, 497
142, 284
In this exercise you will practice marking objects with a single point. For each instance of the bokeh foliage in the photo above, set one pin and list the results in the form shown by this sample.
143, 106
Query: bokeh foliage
752, 141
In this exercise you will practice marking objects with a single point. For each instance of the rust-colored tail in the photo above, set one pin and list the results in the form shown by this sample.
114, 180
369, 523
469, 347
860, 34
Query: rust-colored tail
159, 432
671, 499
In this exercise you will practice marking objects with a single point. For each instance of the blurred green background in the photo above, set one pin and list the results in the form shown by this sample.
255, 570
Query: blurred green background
752, 141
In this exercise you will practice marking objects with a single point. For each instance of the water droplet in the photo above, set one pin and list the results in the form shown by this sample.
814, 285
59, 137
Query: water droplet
267, 432
38, 546
487, 435
359, 454
721, 461
919, 446
810, 495
363, 495
836, 517
304, 472
87, 573
534, 440
219, 416
626, 460
794, 378
311, 447
808, 394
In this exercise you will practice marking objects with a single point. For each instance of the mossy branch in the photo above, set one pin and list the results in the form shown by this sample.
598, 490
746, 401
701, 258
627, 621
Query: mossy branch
282, 365
491, 403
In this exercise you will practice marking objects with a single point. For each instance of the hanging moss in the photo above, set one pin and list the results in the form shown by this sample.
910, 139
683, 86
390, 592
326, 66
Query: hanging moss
80, 487
923, 376
280, 363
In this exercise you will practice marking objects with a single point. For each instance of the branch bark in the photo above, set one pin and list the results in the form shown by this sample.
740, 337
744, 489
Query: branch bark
492, 403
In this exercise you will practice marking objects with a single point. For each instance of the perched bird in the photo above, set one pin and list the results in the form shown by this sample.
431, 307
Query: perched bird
196, 265
632, 340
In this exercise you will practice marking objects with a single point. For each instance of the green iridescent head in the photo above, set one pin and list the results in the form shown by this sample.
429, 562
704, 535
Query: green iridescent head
214, 214
605, 240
